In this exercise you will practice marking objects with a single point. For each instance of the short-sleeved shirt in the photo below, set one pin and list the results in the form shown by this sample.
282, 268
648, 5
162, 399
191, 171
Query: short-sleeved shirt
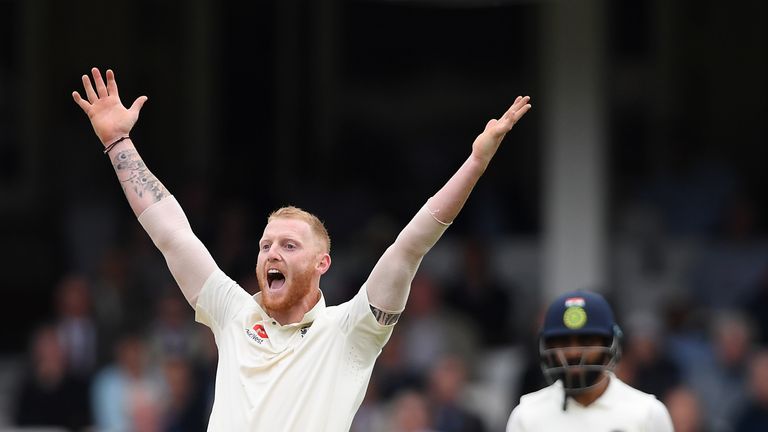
620, 409
307, 376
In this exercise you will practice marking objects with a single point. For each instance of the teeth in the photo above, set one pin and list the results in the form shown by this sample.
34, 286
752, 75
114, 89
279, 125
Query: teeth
273, 271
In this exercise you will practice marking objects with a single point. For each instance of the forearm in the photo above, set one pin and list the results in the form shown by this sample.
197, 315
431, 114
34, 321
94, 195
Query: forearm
446, 204
163, 219
389, 283
141, 187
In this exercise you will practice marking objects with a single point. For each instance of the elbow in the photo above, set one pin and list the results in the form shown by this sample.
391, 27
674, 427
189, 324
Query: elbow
410, 249
406, 254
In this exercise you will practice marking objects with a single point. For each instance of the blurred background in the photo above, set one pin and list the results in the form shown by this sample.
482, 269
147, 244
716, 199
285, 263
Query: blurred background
639, 173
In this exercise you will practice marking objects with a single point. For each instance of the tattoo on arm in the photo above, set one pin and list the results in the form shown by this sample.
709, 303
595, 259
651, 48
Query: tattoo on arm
384, 318
140, 179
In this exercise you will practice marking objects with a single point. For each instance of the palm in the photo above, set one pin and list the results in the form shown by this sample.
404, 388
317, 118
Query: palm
488, 142
109, 118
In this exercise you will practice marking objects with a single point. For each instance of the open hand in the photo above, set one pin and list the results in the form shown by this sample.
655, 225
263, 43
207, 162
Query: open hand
109, 118
488, 142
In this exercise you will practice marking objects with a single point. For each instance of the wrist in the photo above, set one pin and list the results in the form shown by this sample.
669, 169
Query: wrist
108, 139
479, 162
120, 143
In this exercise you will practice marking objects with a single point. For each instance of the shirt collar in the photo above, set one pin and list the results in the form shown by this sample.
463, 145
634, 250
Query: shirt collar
607, 397
308, 318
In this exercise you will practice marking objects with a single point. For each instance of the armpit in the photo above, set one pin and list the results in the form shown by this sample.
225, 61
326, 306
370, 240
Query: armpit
384, 318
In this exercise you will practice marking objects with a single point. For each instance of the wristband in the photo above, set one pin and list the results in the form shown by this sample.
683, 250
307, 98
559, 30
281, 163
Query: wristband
117, 141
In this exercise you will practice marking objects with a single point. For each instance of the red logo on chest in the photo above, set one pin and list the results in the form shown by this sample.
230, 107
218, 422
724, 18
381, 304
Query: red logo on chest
259, 329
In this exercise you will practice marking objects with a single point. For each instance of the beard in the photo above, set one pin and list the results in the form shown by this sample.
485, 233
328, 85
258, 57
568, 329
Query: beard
296, 288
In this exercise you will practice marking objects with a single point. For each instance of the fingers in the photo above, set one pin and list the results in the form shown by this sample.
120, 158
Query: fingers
80, 101
89, 92
517, 110
111, 83
101, 89
138, 103
521, 112
520, 101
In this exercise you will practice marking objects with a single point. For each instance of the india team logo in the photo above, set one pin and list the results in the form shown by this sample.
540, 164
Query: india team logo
575, 317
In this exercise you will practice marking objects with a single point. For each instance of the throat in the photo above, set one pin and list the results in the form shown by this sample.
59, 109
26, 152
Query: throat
589, 396
288, 309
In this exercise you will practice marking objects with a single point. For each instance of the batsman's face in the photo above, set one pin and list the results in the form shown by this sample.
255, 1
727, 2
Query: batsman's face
579, 350
290, 263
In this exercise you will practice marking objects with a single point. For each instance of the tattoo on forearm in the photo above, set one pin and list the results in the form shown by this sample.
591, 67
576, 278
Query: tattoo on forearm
140, 179
384, 318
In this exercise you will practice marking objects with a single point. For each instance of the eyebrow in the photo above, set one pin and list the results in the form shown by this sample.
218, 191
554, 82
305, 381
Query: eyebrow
281, 239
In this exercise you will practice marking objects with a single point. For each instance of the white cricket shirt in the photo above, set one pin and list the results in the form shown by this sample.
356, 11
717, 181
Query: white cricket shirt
620, 409
307, 376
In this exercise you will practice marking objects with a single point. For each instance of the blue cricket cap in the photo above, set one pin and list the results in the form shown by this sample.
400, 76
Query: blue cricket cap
578, 313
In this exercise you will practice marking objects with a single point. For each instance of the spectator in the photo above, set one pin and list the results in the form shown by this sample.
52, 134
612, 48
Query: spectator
481, 297
719, 378
410, 413
755, 417
685, 410
447, 383
174, 334
74, 326
49, 395
125, 394
645, 365
430, 330
184, 409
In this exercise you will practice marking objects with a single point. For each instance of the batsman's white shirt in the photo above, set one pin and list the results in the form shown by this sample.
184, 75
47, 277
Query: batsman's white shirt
308, 376
620, 409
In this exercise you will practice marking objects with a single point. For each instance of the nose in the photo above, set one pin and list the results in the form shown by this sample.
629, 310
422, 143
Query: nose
572, 355
271, 254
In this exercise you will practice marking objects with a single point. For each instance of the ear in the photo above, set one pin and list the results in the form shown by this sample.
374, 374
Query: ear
324, 263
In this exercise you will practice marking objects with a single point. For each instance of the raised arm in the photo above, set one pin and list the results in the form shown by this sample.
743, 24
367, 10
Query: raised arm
389, 283
159, 213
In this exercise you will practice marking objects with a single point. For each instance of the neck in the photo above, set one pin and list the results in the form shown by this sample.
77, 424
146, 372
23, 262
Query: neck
296, 312
588, 396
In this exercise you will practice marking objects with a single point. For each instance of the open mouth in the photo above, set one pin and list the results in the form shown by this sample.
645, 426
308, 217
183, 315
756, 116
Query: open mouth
275, 279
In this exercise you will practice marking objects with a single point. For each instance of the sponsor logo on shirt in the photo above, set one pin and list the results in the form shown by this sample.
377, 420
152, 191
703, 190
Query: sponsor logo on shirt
260, 331
258, 334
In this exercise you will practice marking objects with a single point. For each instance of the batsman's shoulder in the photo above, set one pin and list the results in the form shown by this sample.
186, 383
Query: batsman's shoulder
542, 395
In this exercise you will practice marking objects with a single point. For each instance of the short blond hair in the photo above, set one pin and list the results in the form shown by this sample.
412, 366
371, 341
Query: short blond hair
315, 224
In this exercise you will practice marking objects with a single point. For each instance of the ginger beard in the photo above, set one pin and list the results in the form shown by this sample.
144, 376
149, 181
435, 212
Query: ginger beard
297, 284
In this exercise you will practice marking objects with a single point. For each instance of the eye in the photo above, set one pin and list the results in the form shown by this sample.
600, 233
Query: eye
265, 247
290, 246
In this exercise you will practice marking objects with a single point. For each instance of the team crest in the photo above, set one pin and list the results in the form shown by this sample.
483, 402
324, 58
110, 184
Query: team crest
575, 317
